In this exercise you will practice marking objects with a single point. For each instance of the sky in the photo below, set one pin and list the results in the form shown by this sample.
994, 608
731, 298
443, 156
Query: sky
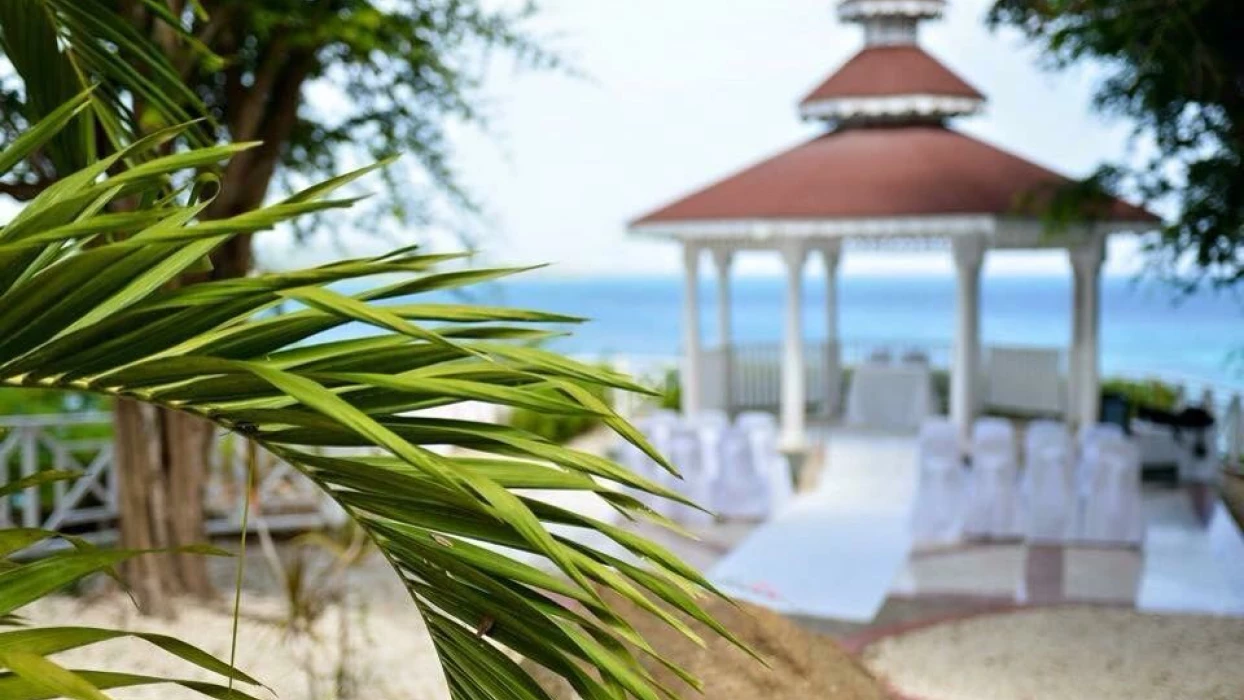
679, 93
675, 94
670, 95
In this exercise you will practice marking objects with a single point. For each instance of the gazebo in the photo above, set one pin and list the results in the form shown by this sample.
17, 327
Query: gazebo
888, 171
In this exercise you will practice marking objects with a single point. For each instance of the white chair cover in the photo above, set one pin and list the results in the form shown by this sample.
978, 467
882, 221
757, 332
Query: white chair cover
1049, 487
711, 418
880, 356
687, 453
938, 514
992, 488
1112, 500
756, 420
658, 428
741, 488
1089, 436
915, 357
711, 425
774, 465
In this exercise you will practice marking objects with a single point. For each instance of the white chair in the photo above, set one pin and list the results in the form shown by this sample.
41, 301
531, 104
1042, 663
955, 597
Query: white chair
711, 425
741, 487
938, 514
1049, 485
915, 357
1090, 435
880, 356
761, 430
992, 488
659, 428
773, 464
687, 453
756, 420
1112, 499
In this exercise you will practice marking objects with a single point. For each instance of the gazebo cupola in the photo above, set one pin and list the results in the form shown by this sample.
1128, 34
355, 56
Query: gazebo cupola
891, 79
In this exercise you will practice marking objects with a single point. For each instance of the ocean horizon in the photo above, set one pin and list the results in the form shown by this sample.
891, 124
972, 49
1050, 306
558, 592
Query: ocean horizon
1148, 328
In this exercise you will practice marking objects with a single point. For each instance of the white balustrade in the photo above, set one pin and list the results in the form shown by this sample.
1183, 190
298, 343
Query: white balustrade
88, 504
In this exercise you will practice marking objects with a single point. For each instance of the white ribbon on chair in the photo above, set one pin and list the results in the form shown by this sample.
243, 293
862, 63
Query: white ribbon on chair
687, 452
1049, 485
938, 514
1112, 499
741, 488
992, 492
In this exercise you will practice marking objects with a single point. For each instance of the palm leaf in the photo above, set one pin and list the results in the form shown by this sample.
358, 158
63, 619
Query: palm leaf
88, 308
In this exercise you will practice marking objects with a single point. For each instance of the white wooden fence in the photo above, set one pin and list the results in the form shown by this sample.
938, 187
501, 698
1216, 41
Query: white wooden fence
87, 505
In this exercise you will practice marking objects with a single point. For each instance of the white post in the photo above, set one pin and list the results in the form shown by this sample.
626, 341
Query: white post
692, 355
1086, 262
722, 258
1235, 432
833, 344
969, 255
793, 377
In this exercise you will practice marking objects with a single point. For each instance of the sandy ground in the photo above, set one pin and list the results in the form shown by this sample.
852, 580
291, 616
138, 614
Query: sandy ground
389, 655
1067, 653
801, 665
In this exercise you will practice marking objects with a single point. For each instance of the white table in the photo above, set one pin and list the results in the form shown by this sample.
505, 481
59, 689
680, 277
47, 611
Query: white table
896, 397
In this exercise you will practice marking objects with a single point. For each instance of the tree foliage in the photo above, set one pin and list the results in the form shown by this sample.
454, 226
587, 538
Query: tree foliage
1176, 68
325, 85
86, 305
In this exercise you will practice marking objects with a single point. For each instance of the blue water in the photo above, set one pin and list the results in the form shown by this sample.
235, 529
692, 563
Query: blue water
1145, 330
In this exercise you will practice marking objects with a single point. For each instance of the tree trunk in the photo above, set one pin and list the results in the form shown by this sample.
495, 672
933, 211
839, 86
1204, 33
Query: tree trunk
162, 462
163, 456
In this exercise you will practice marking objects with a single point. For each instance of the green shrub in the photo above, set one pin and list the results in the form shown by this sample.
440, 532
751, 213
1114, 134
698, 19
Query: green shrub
671, 391
941, 389
557, 428
1146, 393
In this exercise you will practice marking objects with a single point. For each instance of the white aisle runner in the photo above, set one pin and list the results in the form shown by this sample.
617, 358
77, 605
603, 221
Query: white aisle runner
1190, 570
836, 551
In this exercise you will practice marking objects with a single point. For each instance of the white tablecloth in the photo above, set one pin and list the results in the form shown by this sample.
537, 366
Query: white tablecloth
897, 397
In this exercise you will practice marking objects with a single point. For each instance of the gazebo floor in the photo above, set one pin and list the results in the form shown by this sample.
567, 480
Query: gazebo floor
1175, 570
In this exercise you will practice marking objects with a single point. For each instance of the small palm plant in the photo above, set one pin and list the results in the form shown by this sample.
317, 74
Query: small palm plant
86, 304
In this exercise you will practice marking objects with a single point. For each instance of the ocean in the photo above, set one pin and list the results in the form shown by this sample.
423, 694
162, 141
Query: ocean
1147, 329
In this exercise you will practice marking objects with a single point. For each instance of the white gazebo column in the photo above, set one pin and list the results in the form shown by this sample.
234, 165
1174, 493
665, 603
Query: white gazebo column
722, 258
793, 375
1084, 385
693, 356
965, 373
833, 344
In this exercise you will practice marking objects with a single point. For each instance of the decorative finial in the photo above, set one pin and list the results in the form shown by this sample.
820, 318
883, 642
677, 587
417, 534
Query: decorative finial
890, 22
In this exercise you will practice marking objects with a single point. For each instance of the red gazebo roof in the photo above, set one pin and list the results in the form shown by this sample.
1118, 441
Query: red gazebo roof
892, 70
881, 172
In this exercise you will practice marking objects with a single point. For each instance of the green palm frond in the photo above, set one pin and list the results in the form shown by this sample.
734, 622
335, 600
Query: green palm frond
59, 48
86, 303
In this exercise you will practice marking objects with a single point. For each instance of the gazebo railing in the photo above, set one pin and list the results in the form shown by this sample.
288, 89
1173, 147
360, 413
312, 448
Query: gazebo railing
755, 384
756, 375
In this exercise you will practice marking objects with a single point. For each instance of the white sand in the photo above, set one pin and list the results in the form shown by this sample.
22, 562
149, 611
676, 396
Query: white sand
1068, 653
390, 653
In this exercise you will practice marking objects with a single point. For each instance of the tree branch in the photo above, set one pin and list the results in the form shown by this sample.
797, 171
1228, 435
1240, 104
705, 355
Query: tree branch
253, 107
24, 191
